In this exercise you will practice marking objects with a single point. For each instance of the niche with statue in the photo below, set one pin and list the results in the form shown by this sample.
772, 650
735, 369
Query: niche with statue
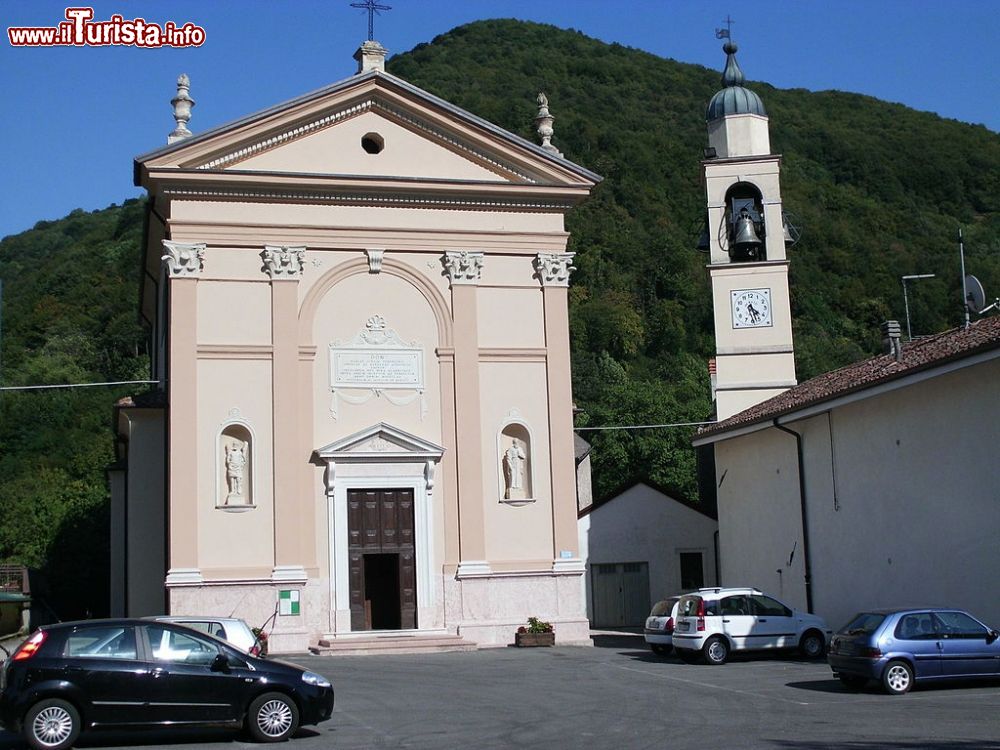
235, 460
516, 464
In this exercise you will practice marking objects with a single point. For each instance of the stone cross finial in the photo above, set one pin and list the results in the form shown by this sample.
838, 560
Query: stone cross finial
182, 109
543, 121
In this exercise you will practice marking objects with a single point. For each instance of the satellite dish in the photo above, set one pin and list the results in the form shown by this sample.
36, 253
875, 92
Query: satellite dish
975, 298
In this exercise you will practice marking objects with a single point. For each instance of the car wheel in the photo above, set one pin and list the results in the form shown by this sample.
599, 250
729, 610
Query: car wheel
897, 677
812, 645
51, 724
661, 649
852, 681
273, 717
716, 651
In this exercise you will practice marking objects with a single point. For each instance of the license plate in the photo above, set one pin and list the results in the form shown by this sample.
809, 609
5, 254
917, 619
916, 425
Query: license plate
682, 626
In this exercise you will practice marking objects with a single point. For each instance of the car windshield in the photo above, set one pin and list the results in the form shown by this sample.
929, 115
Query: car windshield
663, 608
864, 623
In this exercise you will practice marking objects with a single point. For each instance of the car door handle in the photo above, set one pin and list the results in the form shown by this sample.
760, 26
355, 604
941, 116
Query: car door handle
74, 670
724, 619
762, 619
158, 672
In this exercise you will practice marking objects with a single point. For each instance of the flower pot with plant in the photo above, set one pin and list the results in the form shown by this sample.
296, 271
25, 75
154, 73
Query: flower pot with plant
535, 633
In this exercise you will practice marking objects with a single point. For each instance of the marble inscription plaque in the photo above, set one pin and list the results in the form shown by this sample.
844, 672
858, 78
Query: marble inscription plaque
377, 368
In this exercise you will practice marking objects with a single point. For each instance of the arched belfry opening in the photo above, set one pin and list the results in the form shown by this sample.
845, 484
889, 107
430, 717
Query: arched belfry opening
744, 228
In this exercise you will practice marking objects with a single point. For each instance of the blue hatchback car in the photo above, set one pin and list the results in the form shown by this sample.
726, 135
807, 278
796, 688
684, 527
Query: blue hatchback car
899, 647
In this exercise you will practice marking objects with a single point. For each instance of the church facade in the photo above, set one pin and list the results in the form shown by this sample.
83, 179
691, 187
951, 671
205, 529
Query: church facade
358, 301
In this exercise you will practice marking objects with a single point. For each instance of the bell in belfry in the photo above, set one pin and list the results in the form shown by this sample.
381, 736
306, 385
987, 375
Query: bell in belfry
745, 239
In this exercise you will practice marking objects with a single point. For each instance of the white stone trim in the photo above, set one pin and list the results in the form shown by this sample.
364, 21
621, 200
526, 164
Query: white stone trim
182, 259
289, 574
574, 566
347, 469
473, 569
183, 577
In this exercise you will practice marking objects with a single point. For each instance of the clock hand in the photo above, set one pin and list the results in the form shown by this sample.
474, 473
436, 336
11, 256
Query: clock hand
754, 315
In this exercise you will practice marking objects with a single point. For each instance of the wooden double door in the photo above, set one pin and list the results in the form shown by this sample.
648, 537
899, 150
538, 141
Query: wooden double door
382, 559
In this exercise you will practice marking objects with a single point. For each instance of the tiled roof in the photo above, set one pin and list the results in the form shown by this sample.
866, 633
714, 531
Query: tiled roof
922, 354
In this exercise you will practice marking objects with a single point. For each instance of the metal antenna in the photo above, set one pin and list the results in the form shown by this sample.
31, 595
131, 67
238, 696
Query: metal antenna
373, 9
726, 33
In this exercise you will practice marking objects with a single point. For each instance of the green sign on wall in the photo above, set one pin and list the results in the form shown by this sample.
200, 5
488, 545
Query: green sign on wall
288, 602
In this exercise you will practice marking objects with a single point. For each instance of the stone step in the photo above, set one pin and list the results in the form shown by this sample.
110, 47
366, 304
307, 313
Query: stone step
353, 645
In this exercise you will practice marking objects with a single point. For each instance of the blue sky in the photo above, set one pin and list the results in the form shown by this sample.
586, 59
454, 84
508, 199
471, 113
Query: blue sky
76, 116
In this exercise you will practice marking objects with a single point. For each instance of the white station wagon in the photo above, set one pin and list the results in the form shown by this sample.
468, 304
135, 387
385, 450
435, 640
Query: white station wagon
717, 621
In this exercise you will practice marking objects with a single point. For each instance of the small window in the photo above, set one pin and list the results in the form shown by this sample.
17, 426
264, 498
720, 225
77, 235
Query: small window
916, 627
735, 605
692, 571
372, 143
765, 606
102, 642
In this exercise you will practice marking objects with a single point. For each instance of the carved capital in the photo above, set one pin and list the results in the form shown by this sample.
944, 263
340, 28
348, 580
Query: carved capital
463, 266
283, 262
553, 269
182, 259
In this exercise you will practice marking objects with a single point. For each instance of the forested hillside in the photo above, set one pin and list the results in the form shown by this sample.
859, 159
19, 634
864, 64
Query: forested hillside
878, 190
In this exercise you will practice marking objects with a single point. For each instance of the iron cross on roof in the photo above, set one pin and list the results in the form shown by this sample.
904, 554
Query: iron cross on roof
726, 33
373, 8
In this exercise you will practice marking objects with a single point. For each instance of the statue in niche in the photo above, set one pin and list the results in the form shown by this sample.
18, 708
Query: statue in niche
513, 468
236, 461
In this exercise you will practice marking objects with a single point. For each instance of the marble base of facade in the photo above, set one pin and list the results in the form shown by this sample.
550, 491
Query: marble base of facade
488, 610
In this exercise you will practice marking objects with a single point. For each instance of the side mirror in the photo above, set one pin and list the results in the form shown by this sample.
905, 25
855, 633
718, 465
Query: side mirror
991, 636
220, 663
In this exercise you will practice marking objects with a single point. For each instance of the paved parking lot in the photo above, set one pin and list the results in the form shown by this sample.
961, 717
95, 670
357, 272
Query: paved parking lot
617, 695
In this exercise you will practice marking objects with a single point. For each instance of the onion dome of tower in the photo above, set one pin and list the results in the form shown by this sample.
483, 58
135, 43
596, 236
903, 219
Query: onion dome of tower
733, 98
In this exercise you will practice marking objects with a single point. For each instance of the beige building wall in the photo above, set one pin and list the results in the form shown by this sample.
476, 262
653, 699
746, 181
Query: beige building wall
903, 502
291, 247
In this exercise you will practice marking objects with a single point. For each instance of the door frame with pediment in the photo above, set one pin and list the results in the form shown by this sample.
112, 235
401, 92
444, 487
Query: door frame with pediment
380, 457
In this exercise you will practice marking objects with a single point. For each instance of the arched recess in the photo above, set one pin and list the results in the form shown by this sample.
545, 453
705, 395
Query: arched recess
516, 461
331, 278
235, 462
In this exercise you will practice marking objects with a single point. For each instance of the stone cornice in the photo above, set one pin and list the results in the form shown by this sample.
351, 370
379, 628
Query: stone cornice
234, 351
513, 354
283, 187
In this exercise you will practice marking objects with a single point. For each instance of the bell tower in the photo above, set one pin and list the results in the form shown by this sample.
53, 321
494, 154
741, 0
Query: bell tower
746, 241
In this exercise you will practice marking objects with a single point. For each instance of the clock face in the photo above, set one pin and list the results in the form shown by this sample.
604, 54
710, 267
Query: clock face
751, 308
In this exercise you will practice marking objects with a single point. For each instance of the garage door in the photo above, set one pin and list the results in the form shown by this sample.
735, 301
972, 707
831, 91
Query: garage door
620, 594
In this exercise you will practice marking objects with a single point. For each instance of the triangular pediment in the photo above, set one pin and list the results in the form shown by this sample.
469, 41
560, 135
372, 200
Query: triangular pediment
323, 134
381, 441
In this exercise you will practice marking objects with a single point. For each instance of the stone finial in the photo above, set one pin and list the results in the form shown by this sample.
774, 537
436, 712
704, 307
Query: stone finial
371, 56
182, 109
543, 121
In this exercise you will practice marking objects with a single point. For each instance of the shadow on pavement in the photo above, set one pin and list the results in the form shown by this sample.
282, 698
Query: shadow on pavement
140, 737
898, 745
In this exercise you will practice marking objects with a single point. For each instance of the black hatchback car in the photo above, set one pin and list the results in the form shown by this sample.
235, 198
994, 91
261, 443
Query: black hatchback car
137, 673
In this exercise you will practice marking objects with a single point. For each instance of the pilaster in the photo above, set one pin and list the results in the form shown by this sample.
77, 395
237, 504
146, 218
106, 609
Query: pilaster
293, 512
553, 270
464, 269
183, 264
